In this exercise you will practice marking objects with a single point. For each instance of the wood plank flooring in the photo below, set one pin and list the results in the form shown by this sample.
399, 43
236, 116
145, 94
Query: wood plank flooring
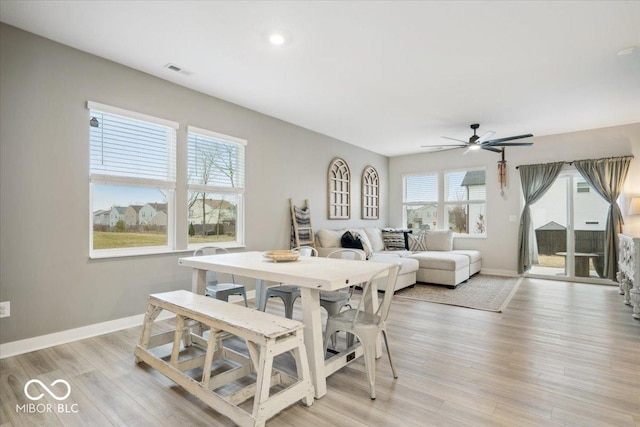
560, 354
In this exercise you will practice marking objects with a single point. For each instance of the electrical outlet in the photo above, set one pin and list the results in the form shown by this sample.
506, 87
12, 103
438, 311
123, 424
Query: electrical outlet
5, 309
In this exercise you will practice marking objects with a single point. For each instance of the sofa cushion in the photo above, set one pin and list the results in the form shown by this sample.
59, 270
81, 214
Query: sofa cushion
440, 240
399, 252
330, 238
474, 256
375, 237
436, 260
407, 265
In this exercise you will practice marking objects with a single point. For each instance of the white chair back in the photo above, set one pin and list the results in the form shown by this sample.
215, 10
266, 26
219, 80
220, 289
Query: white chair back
306, 251
385, 306
347, 253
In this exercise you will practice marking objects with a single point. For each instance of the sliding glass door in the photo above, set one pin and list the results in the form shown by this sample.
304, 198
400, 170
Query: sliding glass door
569, 223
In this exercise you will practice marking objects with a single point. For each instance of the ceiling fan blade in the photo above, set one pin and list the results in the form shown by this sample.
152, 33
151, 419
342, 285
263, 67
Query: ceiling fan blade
440, 148
466, 151
485, 136
445, 145
453, 139
510, 144
487, 147
510, 138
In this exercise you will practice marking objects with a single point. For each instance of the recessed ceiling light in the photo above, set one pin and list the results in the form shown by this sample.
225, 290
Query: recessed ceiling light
276, 39
626, 51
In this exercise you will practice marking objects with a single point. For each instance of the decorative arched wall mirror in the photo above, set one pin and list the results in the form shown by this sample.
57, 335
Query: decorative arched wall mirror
370, 193
339, 190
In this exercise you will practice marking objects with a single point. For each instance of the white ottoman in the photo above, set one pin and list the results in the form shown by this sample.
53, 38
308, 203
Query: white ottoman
475, 259
442, 268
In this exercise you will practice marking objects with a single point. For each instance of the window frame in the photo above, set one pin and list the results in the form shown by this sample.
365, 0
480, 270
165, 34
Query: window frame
441, 203
405, 203
138, 182
446, 203
177, 189
216, 189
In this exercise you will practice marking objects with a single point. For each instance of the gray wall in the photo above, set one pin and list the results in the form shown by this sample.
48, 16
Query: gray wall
499, 248
44, 189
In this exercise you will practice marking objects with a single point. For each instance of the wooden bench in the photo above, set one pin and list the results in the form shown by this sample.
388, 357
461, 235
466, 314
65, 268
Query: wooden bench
201, 325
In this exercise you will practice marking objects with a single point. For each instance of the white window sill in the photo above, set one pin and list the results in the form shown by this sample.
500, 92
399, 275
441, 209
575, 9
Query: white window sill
469, 236
109, 254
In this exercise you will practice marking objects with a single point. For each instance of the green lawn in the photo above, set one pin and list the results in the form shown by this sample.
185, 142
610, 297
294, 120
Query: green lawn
111, 240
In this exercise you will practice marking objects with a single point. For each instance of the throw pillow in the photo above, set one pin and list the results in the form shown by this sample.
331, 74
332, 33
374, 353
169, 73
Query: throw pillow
393, 240
441, 240
366, 244
417, 242
348, 240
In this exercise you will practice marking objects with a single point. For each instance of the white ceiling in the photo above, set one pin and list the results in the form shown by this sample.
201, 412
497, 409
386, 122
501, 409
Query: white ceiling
387, 76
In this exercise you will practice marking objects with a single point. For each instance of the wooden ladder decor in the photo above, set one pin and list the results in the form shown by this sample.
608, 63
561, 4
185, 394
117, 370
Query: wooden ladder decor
196, 342
301, 229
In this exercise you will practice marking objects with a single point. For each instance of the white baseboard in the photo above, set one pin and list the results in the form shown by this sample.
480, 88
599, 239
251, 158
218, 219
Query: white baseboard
15, 348
498, 272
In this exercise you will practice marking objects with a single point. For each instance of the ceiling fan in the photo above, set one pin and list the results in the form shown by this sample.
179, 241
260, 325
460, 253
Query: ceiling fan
482, 142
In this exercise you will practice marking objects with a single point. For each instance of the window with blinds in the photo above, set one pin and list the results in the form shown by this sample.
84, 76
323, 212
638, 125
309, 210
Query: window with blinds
465, 205
420, 201
132, 170
216, 181
453, 200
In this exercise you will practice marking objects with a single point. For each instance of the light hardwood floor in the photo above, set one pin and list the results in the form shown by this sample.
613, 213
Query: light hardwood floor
560, 354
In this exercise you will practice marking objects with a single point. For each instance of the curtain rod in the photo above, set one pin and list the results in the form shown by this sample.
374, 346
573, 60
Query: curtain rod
571, 162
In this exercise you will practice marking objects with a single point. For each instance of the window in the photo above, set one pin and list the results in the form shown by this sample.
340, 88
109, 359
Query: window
465, 201
420, 201
132, 181
459, 204
216, 187
582, 187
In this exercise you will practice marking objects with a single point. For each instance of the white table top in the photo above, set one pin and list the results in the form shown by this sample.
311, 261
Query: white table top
326, 274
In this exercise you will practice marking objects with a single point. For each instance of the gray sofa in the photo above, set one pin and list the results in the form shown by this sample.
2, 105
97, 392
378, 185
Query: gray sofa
426, 257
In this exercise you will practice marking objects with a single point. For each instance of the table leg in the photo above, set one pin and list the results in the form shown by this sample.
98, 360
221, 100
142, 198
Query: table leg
261, 294
313, 338
582, 266
198, 281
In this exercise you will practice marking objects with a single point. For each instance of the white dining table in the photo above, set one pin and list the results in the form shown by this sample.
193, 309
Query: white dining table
312, 274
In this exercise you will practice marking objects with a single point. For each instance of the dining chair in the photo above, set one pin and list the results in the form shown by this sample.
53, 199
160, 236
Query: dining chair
367, 326
334, 301
220, 291
288, 293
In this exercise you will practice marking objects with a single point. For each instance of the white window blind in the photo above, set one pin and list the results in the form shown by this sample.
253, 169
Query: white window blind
421, 188
215, 160
123, 146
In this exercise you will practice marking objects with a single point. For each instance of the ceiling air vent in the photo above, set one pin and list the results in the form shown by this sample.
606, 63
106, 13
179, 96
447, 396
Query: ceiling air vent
177, 69
173, 67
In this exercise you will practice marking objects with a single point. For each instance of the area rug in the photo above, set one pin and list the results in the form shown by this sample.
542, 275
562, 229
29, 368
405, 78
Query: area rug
481, 292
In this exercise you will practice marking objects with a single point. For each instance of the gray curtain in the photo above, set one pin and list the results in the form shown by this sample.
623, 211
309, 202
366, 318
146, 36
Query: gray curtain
536, 180
606, 177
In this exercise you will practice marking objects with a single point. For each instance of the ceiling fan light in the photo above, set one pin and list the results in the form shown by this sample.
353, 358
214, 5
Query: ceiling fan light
474, 147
